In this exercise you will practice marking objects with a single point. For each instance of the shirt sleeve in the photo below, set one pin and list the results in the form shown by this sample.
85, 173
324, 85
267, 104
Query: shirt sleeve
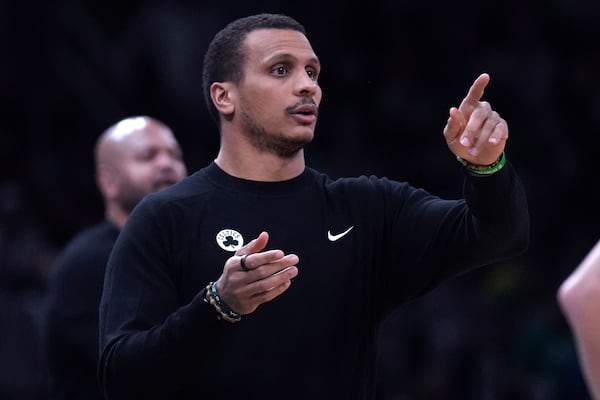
142, 340
433, 239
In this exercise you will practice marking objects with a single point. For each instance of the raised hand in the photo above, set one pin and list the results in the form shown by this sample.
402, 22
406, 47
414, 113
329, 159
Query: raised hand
474, 131
252, 276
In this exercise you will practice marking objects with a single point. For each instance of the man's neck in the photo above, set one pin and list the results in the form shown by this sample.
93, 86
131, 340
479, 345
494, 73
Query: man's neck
115, 215
264, 167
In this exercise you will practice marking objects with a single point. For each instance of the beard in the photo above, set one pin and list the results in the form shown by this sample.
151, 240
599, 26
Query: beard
274, 143
132, 191
127, 203
130, 196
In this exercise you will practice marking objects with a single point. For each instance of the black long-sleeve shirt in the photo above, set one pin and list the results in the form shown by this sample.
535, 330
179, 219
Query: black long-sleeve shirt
317, 340
71, 318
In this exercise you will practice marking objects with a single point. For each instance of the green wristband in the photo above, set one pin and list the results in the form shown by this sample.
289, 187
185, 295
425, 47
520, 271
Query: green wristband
484, 169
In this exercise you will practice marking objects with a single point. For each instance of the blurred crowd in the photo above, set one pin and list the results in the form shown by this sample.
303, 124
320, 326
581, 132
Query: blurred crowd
391, 70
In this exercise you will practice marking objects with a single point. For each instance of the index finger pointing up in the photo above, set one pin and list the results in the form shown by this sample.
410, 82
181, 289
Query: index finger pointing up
475, 92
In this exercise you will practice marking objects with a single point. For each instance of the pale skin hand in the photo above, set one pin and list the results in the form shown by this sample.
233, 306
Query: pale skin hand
243, 291
474, 131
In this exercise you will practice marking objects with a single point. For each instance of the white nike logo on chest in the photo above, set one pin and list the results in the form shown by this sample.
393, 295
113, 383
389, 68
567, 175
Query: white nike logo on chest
333, 237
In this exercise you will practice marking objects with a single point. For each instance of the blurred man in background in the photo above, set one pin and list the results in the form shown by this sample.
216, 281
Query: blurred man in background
134, 157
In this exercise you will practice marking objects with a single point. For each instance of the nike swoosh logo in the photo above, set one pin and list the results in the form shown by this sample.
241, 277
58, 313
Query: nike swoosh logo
333, 238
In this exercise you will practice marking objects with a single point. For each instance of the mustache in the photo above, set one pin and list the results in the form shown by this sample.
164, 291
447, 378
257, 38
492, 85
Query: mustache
303, 101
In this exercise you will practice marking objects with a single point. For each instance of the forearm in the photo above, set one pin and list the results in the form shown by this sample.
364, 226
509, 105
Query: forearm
498, 207
154, 362
579, 299
586, 331
445, 238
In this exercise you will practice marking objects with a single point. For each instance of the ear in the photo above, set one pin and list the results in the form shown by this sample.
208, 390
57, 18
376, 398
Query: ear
223, 97
106, 180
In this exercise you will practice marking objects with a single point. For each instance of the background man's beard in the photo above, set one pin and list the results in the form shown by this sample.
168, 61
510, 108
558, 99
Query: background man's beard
276, 144
129, 199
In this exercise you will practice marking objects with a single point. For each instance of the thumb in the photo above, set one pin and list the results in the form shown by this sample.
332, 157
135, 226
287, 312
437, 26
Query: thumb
255, 245
455, 125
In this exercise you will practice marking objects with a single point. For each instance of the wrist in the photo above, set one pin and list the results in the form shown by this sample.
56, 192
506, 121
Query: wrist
482, 170
211, 296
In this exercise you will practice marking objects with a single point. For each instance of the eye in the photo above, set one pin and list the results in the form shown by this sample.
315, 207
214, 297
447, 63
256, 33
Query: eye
312, 73
176, 154
280, 70
145, 156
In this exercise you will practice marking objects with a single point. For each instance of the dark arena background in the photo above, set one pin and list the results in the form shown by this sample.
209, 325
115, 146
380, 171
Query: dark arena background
391, 70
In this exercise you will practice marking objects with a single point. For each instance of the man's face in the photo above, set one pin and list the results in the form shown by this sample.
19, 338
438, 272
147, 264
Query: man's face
150, 160
278, 97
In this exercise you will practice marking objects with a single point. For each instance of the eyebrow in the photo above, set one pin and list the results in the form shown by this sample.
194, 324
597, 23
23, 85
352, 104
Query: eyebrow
285, 56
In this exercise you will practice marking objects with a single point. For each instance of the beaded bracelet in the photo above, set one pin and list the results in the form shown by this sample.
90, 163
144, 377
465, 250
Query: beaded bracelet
212, 297
484, 169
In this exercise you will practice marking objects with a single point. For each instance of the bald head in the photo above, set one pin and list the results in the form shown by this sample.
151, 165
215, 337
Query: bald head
114, 141
134, 157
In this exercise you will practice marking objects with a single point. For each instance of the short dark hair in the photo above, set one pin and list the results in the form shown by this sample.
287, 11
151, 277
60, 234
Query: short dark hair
224, 59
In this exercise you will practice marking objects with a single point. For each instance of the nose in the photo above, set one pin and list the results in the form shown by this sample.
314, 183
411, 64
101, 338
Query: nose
306, 85
166, 161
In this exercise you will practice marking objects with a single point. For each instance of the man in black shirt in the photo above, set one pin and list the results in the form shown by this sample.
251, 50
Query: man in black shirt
136, 156
258, 277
